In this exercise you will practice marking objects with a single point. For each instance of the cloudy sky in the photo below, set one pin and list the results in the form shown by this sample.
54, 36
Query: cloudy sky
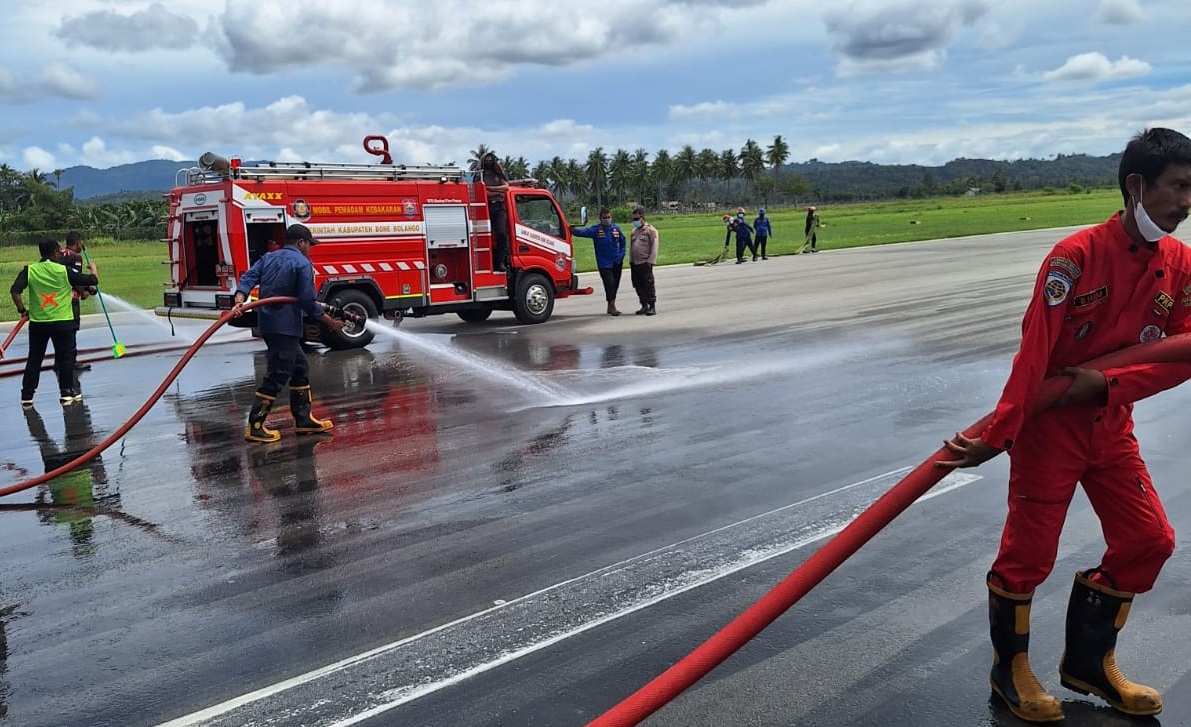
106, 82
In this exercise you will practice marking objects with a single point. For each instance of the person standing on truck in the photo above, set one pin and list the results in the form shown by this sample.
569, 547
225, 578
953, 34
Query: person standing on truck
286, 273
496, 184
1102, 289
643, 255
609, 245
50, 318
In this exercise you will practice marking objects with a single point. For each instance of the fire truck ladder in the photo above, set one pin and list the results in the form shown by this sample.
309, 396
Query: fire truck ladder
301, 171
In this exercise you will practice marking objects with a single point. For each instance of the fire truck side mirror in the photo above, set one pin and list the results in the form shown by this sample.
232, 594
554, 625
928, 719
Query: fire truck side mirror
215, 163
583, 215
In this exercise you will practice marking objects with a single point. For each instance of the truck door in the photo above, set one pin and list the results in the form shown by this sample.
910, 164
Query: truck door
200, 251
448, 247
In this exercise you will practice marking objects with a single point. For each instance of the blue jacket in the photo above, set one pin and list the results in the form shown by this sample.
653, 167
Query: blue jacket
761, 227
284, 272
744, 233
609, 244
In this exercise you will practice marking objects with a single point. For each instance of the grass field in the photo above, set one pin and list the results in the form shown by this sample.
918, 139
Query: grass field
134, 270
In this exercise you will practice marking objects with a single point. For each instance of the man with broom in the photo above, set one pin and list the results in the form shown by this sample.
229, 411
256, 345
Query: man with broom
51, 318
72, 257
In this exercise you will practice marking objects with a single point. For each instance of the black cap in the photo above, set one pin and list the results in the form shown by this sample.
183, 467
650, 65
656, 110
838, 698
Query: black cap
296, 233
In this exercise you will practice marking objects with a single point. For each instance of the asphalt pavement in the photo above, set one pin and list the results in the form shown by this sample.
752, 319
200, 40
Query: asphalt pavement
522, 525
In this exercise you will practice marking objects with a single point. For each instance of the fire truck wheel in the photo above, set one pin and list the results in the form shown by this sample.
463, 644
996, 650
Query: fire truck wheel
535, 299
353, 335
475, 315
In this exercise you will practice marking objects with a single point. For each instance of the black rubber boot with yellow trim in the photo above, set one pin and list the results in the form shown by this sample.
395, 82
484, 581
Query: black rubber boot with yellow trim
256, 431
300, 402
1095, 614
1011, 678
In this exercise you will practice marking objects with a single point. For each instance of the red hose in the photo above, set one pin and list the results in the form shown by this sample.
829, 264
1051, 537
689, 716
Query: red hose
672, 682
12, 334
139, 413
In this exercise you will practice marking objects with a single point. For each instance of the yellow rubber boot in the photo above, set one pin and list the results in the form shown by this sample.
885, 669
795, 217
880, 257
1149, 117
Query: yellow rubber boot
257, 431
1011, 678
300, 403
1095, 615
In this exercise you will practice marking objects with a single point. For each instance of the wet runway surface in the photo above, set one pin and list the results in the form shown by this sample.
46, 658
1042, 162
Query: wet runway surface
517, 525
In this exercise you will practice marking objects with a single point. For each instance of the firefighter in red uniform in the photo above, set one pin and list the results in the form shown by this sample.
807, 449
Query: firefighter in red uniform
1122, 282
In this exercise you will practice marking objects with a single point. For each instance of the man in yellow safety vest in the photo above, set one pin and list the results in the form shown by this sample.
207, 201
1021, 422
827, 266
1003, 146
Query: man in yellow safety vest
51, 318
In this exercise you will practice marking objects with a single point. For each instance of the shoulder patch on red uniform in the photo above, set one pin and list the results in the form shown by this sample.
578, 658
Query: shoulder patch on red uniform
1066, 265
1056, 288
1149, 333
1163, 299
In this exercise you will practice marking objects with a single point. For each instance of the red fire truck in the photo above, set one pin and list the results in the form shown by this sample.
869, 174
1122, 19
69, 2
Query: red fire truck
396, 240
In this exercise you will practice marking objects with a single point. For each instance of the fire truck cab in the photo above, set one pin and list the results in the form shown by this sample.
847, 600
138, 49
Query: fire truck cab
395, 240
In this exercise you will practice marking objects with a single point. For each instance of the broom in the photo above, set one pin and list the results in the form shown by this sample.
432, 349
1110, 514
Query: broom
118, 349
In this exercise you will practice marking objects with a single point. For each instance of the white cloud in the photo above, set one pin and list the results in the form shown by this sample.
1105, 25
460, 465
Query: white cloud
35, 157
63, 80
158, 151
96, 154
1096, 67
888, 80
702, 110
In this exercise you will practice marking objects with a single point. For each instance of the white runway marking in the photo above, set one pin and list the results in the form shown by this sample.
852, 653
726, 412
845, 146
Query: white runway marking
358, 688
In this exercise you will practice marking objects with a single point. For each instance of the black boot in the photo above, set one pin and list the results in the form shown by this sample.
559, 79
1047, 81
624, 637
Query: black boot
1011, 678
256, 431
642, 310
300, 401
653, 311
1095, 614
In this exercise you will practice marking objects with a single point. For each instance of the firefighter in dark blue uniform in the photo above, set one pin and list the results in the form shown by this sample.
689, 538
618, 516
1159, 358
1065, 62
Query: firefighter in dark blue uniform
286, 272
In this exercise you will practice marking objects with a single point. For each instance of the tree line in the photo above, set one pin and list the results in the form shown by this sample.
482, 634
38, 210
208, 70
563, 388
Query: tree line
33, 204
691, 179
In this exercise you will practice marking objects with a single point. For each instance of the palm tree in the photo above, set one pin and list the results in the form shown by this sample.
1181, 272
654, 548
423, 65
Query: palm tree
639, 174
474, 163
728, 170
558, 173
58, 178
706, 168
777, 154
752, 161
663, 173
541, 172
618, 174
574, 182
596, 171
685, 167
515, 168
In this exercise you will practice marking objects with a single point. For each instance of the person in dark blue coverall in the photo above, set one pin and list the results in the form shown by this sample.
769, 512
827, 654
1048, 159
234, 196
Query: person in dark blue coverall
286, 272
610, 247
744, 237
763, 229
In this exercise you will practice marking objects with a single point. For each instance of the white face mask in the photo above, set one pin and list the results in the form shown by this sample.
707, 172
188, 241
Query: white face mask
1146, 226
